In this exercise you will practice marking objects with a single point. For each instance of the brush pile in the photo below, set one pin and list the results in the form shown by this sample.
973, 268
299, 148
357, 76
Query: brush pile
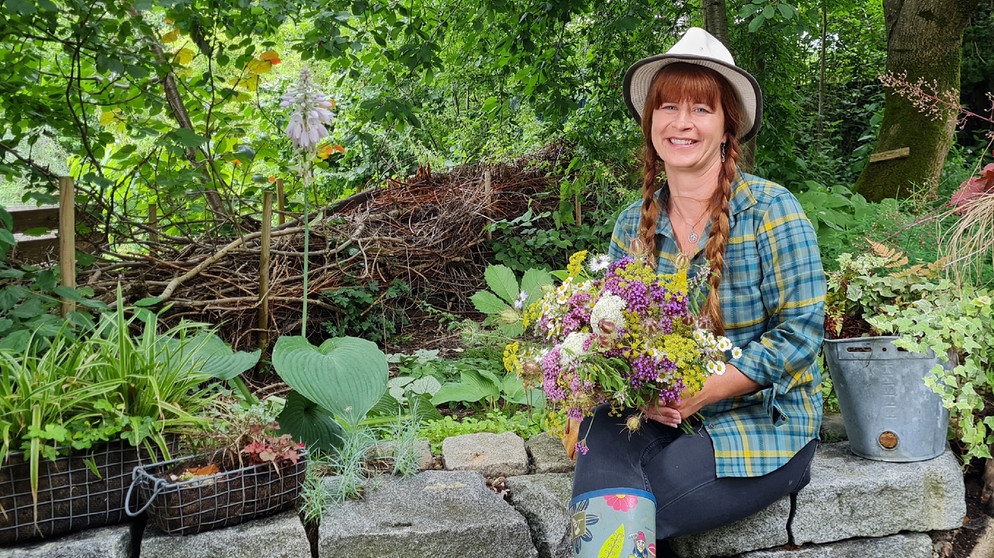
430, 231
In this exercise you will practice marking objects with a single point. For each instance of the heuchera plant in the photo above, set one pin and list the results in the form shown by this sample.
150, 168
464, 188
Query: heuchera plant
278, 450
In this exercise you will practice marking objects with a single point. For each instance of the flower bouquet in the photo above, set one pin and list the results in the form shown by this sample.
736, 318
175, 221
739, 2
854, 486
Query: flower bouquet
617, 333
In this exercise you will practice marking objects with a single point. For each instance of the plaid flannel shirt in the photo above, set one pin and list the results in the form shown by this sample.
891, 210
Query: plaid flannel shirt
772, 296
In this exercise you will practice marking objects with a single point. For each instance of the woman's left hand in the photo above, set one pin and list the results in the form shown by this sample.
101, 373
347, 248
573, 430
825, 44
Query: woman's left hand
730, 384
677, 411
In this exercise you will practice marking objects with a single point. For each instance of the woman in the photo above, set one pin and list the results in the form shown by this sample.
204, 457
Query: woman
766, 293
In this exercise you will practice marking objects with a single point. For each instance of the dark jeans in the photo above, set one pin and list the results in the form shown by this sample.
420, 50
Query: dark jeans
678, 469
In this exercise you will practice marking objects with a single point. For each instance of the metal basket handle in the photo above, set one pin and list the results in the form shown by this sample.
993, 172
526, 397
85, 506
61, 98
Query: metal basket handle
159, 483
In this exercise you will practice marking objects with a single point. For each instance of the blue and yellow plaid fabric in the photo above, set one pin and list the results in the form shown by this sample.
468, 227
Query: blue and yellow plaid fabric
773, 301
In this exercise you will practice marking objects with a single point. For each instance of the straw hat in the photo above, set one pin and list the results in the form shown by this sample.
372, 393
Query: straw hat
697, 46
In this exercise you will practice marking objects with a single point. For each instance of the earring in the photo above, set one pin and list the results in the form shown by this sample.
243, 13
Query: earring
723, 146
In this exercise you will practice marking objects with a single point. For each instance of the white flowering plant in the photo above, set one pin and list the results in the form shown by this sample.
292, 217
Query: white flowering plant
616, 333
306, 127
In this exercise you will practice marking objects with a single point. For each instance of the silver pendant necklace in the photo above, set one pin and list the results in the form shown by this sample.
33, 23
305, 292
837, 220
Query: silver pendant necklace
693, 236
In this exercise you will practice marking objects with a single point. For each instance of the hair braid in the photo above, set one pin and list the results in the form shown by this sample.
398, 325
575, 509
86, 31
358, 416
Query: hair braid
644, 244
714, 249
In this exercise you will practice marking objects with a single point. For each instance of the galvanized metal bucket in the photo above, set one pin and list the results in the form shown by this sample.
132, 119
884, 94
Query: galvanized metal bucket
889, 412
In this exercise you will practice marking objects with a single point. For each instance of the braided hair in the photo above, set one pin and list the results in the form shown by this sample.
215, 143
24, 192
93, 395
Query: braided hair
676, 82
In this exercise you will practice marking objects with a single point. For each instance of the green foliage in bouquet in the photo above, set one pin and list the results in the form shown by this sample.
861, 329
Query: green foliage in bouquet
504, 302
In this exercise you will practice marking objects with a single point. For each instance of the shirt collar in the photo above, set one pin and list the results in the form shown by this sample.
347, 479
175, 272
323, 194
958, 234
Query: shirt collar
742, 199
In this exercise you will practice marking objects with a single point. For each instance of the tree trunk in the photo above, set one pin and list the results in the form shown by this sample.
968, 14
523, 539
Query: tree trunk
715, 19
924, 41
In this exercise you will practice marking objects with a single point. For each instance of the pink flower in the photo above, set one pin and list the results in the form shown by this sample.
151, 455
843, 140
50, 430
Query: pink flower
622, 502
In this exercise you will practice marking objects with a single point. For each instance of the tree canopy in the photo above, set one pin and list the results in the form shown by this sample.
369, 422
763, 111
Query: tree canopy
174, 106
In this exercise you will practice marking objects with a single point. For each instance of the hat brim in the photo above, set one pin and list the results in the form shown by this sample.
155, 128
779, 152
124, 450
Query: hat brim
639, 78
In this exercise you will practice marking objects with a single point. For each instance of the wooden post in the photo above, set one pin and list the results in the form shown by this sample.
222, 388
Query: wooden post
267, 225
488, 194
280, 201
153, 223
67, 239
577, 209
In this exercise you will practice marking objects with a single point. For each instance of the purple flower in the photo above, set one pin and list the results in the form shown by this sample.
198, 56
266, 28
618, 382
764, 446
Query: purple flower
311, 112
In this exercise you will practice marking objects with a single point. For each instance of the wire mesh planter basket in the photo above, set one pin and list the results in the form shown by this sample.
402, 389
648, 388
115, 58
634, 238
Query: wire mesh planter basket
74, 493
202, 503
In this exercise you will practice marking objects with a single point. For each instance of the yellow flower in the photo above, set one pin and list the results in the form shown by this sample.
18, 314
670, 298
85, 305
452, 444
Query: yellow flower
575, 265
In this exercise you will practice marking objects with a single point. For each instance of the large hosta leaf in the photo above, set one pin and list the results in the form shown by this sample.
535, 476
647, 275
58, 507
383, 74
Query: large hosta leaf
345, 375
220, 361
308, 423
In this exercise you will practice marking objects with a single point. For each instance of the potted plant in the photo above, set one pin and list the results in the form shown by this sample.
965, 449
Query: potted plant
247, 469
79, 411
889, 412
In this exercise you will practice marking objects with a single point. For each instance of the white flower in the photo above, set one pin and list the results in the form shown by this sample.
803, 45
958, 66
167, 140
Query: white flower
724, 344
311, 112
700, 335
736, 352
608, 308
719, 367
600, 263
519, 302
572, 347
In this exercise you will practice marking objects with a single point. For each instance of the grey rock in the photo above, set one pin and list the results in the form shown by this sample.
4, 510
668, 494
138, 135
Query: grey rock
388, 449
434, 513
548, 455
492, 455
103, 542
276, 536
543, 500
914, 545
765, 529
854, 497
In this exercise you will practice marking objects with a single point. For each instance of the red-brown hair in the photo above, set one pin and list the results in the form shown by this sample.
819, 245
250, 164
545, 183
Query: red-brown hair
678, 82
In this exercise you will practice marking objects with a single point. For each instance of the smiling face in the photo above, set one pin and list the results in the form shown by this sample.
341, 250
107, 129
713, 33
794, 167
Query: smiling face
688, 135
686, 119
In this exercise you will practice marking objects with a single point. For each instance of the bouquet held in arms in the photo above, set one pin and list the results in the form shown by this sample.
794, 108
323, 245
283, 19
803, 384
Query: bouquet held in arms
617, 333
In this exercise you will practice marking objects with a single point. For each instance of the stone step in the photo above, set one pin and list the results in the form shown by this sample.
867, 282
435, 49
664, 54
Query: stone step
849, 498
853, 507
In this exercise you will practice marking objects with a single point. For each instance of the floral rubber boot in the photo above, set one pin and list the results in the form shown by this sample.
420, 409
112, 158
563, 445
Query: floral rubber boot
613, 523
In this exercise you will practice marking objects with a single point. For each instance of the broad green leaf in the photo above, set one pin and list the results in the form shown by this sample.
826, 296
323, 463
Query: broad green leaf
220, 361
188, 138
345, 375
488, 303
473, 386
502, 282
533, 281
306, 422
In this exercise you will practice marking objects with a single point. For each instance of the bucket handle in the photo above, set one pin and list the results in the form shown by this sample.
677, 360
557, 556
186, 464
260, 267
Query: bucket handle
159, 483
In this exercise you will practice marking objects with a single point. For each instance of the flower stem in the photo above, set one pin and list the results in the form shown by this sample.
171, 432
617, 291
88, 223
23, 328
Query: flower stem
306, 171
